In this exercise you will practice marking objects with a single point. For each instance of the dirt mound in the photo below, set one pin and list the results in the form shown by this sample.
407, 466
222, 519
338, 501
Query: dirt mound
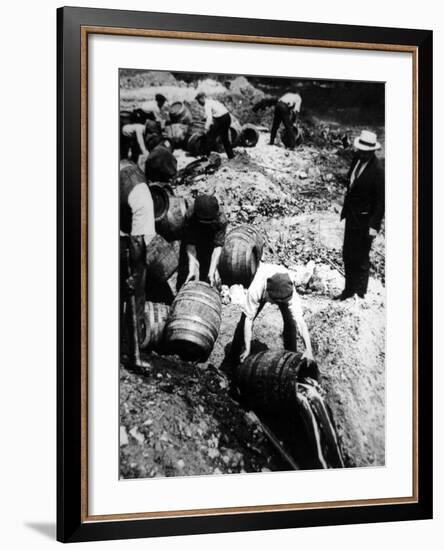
140, 79
349, 342
178, 419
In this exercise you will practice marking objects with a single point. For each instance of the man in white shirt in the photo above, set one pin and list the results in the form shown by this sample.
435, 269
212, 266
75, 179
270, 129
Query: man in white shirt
136, 232
217, 123
154, 108
273, 284
132, 141
286, 110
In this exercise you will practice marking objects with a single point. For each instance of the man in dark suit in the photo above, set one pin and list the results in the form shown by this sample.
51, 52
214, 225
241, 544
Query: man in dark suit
363, 211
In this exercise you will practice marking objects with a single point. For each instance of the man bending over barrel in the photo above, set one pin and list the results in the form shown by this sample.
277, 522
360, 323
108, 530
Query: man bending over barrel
202, 242
286, 111
217, 123
274, 284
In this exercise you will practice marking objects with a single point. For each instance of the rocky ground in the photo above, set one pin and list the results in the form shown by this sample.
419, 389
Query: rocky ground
181, 418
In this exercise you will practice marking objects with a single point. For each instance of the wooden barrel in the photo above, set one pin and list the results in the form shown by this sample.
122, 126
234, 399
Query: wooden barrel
171, 225
194, 322
267, 380
177, 133
249, 135
162, 259
179, 112
161, 200
196, 144
241, 255
155, 319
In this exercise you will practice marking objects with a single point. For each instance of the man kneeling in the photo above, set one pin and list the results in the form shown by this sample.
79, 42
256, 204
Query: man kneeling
273, 284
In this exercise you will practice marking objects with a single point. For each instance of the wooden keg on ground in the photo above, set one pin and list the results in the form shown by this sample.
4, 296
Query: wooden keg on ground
155, 319
249, 135
241, 255
194, 322
162, 259
171, 225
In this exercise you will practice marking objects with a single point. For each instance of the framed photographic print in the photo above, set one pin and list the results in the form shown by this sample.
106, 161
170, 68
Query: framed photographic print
244, 274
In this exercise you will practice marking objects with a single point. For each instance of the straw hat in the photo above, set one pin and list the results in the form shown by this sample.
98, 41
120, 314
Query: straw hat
367, 141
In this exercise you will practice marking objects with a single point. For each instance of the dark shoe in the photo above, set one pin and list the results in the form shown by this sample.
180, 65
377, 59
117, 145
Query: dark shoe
344, 296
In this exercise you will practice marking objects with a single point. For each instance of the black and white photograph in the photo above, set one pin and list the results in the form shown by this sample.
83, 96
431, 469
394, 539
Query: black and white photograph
252, 274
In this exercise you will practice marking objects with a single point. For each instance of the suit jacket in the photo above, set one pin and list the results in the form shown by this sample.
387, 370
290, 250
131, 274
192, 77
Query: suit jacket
364, 202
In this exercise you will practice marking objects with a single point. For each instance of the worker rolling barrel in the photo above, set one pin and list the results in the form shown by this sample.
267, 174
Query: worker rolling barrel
194, 322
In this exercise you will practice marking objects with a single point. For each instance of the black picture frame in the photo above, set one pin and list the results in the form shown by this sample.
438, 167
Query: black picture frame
71, 523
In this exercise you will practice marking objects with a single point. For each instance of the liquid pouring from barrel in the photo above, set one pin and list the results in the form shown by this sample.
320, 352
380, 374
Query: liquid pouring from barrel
272, 384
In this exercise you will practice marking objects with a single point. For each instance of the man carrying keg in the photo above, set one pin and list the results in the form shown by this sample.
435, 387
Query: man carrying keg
286, 110
276, 285
203, 238
136, 231
218, 122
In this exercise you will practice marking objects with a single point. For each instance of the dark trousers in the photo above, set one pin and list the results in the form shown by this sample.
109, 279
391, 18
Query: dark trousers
356, 256
135, 245
220, 127
203, 253
128, 144
282, 113
290, 332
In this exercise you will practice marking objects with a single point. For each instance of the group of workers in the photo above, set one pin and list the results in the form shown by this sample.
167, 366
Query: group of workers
206, 224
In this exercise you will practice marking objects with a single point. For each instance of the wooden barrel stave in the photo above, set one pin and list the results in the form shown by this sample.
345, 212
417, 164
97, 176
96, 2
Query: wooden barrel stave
266, 380
162, 259
156, 317
241, 255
